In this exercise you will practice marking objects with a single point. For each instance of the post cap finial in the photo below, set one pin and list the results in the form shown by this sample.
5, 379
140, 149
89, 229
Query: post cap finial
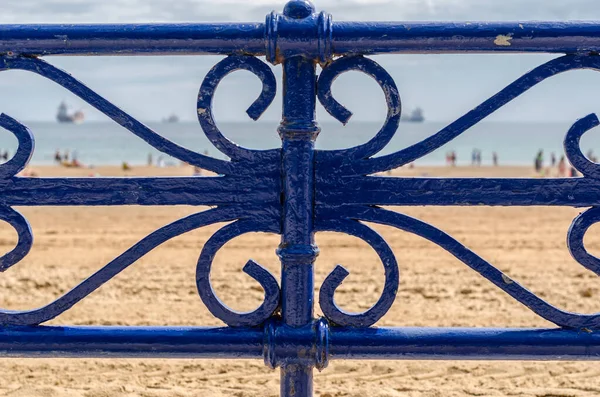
299, 9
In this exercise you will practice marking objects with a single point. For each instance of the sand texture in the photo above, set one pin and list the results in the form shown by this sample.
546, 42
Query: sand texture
435, 290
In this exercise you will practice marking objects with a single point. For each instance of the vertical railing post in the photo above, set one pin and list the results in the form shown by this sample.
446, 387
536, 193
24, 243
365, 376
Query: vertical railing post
298, 131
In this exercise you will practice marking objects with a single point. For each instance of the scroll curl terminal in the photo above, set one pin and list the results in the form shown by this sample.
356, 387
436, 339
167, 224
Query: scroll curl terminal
64, 79
518, 292
336, 277
339, 112
205, 97
117, 265
26, 144
25, 237
254, 270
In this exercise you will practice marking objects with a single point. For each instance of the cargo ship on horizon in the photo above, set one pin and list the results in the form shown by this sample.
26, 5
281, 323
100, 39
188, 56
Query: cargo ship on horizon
63, 115
416, 116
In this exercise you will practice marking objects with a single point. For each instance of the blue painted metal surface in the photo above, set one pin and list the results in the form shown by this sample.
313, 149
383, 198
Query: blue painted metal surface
296, 191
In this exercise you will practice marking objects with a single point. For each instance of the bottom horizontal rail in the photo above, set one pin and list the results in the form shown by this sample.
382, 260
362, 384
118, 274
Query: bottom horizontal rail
343, 343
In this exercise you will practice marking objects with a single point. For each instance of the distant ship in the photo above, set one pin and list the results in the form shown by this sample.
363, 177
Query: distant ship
63, 115
171, 119
416, 116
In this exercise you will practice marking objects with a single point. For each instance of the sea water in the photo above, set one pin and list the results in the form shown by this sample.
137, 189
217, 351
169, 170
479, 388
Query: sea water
106, 143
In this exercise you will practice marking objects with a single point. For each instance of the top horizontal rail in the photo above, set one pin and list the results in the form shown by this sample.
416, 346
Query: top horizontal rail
300, 37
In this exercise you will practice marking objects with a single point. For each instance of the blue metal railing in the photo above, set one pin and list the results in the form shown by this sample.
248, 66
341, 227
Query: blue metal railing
296, 191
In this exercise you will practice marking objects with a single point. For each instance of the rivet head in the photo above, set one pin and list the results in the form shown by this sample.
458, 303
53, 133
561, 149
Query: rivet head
299, 9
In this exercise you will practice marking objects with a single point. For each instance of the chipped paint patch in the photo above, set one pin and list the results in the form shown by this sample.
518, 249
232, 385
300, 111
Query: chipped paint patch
506, 279
503, 40
521, 26
201, 111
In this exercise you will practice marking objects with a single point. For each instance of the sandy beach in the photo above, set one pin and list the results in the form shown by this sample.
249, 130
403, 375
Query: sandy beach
435, 290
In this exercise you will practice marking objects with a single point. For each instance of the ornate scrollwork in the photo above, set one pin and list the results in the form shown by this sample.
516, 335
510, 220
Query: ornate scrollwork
25, 237
338, 275
338, 169
26, 144
536, 304
117, 265
575, 236
207, 91
266, 280
262, 165
348, 165
228, 65
340, 113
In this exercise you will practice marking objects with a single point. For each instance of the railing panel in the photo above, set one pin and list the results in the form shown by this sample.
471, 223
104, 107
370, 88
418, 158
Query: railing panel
295, 191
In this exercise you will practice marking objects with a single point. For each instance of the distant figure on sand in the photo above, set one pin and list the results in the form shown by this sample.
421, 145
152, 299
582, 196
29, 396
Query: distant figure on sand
552, 159
495, 159
476, 157
57, 157
590, 155
150, 162
539, 161
573, 172
562, 167
197, 171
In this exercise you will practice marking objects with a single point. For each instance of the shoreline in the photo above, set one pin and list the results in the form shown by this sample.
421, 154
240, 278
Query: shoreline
187, 170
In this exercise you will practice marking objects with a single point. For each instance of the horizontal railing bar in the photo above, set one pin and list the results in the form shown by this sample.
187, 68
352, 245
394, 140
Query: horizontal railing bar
137, 191
448, 37
167, 342
346, 38
573, 192
129, 39
344, 343
465, 344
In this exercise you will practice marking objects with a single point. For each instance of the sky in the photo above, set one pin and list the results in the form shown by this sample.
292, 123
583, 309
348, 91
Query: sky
445, 86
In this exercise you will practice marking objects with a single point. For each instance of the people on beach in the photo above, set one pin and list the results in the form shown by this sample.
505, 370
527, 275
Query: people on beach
590, 155
64, 159
552, 159
562, 167
539, 161
150, 162
574, 172
452, 158
495, 158
476, 157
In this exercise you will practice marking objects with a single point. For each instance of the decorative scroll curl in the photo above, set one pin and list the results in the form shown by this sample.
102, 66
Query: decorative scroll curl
228, 65
338, 275
518, 292
573, 149
206, 94
26, 144
25, 237
266, 280
577, 231
339, 112
345, 165
117, 265
263, 166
